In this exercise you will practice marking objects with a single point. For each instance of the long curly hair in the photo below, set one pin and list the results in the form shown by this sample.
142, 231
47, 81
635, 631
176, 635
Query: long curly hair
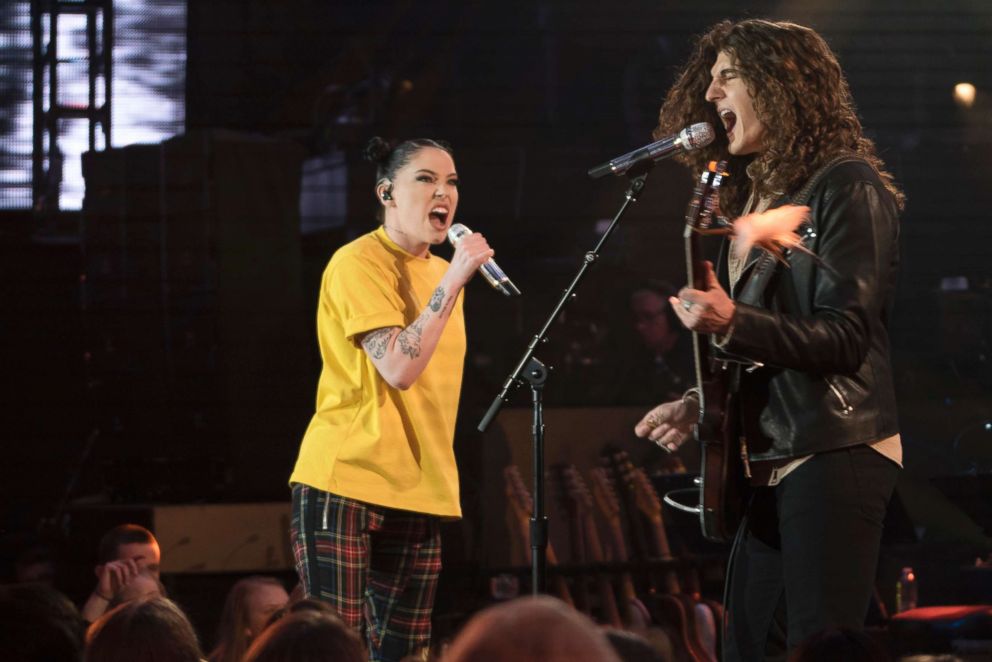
800, 96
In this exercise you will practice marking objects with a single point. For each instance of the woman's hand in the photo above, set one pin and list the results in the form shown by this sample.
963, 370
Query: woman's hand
471, 252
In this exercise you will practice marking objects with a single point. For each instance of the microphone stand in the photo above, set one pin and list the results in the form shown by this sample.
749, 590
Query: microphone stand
535, 373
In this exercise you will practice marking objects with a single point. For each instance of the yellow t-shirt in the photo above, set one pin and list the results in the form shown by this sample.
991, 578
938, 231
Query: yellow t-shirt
367, 440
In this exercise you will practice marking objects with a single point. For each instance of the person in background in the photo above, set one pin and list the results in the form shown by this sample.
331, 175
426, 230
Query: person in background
376, 469
154, 630
126, 551
307, 636
658, 365
250, 604
531, 629
39, 624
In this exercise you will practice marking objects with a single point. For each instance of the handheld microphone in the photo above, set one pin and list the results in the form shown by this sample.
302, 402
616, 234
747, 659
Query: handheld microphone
489, 269
686, 140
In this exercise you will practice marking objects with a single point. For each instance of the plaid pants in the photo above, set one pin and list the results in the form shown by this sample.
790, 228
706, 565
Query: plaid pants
378, 567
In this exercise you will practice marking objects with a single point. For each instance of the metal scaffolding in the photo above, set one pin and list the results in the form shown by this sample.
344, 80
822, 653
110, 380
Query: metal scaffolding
49, 111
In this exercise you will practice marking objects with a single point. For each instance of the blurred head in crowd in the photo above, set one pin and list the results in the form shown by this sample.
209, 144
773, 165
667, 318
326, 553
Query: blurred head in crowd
307, 636
301, 604
141, 587
631, 647
38, 624
531, 629
36, 563
153, 630
250, 604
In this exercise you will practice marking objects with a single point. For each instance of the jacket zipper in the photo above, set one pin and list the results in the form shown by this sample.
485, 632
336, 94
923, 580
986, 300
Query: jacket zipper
845, 407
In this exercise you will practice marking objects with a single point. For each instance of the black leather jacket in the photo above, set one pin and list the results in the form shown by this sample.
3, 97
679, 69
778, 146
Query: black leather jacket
821, 333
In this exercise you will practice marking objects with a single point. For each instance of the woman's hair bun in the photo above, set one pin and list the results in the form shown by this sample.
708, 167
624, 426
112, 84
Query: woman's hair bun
377, 150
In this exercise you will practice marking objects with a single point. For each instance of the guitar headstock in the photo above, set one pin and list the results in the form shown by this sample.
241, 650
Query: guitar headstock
637, 482
702, 215
645, 496
517, 493
575, 487
603, 493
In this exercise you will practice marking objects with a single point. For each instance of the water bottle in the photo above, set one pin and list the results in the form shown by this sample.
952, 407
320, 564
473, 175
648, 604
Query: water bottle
906, 590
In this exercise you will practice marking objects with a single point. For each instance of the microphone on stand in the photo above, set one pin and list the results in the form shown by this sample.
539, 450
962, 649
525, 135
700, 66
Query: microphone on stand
686, 140
489, 269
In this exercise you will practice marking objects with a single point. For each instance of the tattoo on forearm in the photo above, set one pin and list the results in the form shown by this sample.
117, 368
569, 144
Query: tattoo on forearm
376, 342
436, 299
409, 338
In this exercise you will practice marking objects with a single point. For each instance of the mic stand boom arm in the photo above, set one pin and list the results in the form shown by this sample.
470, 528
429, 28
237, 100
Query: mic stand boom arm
534, 372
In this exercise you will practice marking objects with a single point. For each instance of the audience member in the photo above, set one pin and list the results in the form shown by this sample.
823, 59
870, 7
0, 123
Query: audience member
531, 629
125, 552
38, 624
631, 647
141, 587
307, 636
36, 563
153, 630
249, 606
300, 604
658, 363
839, 644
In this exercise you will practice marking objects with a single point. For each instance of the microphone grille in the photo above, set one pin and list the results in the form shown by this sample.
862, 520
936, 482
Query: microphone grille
699, 135
456, 232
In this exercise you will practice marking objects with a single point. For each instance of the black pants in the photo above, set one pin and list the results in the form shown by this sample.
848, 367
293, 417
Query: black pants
806, 557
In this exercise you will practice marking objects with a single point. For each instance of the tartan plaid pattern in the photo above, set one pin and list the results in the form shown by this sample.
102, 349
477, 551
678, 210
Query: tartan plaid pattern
378, 567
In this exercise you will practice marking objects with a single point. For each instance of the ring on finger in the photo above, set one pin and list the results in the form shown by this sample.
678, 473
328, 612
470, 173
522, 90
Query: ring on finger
687, 304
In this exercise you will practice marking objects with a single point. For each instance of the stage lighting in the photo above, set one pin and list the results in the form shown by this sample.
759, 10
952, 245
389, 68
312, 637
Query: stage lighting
964, 95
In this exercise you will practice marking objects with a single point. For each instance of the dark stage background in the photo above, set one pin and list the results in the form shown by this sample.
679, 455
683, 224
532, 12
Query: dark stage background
186, 374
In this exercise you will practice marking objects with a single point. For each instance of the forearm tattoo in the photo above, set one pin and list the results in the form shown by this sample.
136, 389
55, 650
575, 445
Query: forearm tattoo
409, 338
436, 299
376, 342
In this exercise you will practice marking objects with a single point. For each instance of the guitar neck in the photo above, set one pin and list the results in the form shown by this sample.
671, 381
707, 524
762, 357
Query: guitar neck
671, 577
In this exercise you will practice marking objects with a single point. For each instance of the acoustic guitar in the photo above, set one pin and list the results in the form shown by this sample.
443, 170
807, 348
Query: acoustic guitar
721, 473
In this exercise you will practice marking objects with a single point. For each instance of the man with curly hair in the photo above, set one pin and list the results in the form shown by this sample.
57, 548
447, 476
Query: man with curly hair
816, 405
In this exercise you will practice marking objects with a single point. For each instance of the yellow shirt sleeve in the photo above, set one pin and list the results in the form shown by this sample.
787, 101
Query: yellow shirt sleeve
363, 296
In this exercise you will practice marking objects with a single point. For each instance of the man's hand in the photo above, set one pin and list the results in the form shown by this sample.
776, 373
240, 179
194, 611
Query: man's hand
113, 576
669, 425
709, 311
